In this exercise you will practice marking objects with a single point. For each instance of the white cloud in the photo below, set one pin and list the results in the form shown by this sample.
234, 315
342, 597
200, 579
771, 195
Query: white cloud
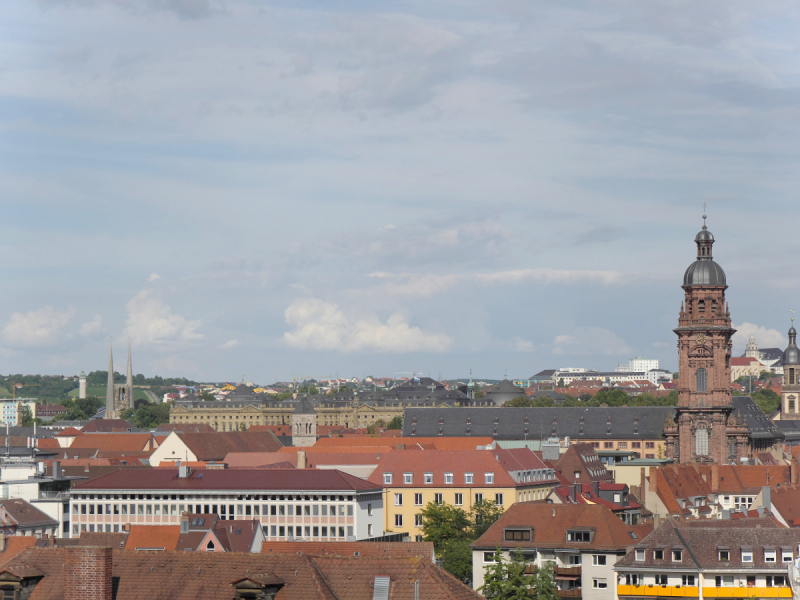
92, 327
765, 338
319, 325
154, 277
43, 327
150, 321
521, 345
425, 285
585, 341
229, 344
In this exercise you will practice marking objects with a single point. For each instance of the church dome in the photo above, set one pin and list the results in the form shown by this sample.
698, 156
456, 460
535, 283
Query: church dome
791, 356
704, 272
704, 236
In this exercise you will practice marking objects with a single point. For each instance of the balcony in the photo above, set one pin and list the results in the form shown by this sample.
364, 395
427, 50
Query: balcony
661, 591
53, 495
568, 571
573, 593
747, 592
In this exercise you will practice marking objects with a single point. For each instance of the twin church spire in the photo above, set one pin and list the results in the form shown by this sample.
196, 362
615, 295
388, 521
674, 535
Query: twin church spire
118, 397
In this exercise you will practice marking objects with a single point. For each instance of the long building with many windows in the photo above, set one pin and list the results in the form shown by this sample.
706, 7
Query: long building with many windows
291, 504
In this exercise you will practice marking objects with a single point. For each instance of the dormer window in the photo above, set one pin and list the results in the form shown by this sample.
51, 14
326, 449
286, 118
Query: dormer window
770, 555
489, 478
517, 535
387, 479
639, 554
579, 536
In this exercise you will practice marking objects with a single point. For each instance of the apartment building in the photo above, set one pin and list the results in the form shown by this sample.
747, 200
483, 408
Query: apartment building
710, 559
583, 542
290, 504
413, 478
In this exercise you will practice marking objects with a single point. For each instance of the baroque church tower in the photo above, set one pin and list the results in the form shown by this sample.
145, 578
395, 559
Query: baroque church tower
790, 393
704, 430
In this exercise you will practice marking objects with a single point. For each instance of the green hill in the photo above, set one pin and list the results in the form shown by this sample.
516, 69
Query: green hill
100, 392
4, 393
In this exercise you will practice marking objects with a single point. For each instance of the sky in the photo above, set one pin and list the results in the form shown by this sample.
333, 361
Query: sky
266, 190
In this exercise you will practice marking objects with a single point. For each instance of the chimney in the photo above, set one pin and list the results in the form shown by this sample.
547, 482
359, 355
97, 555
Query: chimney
766, 498
2, 542
793, 471
184, 522
88, 573
57, 469
596, 489
184, 471
400, 447
573, 493
301, 459
715, 478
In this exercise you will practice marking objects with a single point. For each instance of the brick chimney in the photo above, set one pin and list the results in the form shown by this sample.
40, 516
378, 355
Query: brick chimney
88, 573
301, 459
715, 478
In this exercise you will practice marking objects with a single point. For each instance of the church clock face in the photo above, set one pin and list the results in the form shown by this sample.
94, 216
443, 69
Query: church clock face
700, 339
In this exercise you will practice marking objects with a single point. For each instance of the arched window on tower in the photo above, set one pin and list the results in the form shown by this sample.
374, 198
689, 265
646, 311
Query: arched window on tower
701, 441
701, 380
791, 376
701, 306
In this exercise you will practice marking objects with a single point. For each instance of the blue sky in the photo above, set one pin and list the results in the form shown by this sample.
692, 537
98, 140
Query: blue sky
261, 189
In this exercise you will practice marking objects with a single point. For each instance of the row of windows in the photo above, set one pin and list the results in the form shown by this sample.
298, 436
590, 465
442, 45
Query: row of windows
598, 560
624, 445
724, 555
408, 478
274, 530
245, 510
458, 499
274, 498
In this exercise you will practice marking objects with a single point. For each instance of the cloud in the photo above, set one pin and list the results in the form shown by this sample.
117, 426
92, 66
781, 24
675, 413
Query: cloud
150, 321
229, 344
187, 9
318, 325
92, 327
765, 338
154, 277
43, 327
585, 341
425, 285
521, 345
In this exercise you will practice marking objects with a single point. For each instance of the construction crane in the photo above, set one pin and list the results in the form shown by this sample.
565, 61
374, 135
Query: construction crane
22, 385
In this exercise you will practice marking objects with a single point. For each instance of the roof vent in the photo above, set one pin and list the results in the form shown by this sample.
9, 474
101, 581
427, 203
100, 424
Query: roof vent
381, 588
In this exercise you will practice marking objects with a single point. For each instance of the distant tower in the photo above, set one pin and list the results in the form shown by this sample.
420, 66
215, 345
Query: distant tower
704, 331
471, 387
110, 391
791, 378
752, 349
304, 424
82, 385
129, 380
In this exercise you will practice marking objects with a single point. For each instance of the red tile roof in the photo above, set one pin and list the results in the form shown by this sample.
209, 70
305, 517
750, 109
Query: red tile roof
211, 576
441, 443
439, 462
346, 549
550, 523
215, 446
187, 427
228, 479
115, 442
153, 537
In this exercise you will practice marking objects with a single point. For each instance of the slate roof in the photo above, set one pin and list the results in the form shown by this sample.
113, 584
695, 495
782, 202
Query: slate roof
703, 544
790, 429
550, 523
757, 422
646, 422
108, 426
228, 479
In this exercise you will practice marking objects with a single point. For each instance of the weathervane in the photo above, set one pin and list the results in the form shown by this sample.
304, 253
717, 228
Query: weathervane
704, 215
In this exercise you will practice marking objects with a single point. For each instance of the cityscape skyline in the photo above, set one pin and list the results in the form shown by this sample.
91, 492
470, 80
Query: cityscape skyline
368, 192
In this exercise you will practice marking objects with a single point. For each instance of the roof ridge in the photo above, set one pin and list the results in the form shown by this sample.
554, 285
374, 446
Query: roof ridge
317, 570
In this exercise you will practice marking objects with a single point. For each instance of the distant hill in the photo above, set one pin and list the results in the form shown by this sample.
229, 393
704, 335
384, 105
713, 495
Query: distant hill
100, 392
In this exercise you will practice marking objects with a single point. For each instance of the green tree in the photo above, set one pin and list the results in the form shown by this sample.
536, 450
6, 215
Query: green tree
521, 402
207, 396
395, 423
544, 585
444, 523
375, 427
479, 394
457, 560
767, 400
26, 417
242, 426
561, 383
507, 580
484, 513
